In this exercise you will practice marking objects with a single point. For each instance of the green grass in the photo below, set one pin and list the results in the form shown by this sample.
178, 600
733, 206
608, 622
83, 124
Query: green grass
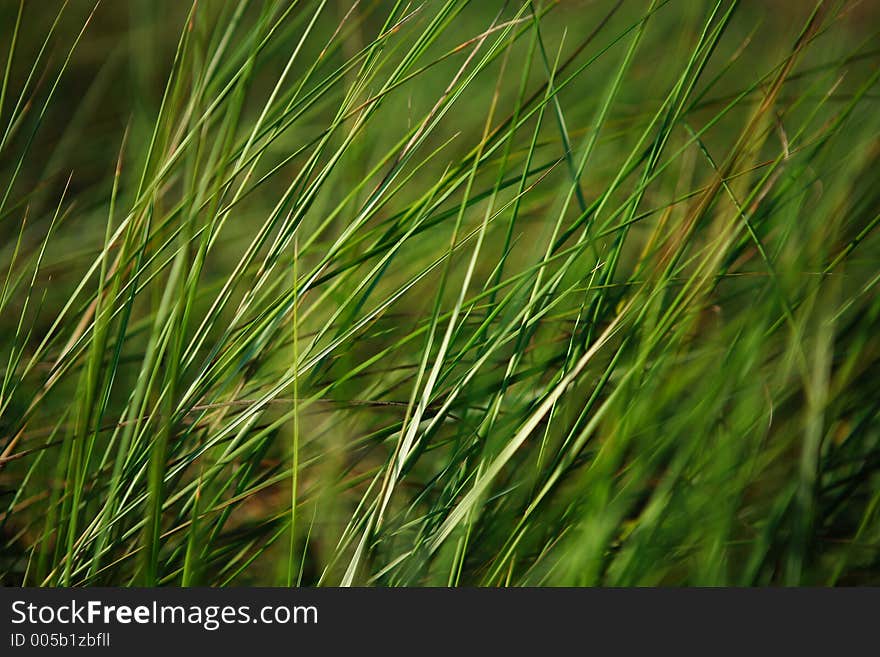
440, 293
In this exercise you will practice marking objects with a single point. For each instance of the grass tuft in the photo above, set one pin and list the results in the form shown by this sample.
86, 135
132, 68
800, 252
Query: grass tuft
452, 293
